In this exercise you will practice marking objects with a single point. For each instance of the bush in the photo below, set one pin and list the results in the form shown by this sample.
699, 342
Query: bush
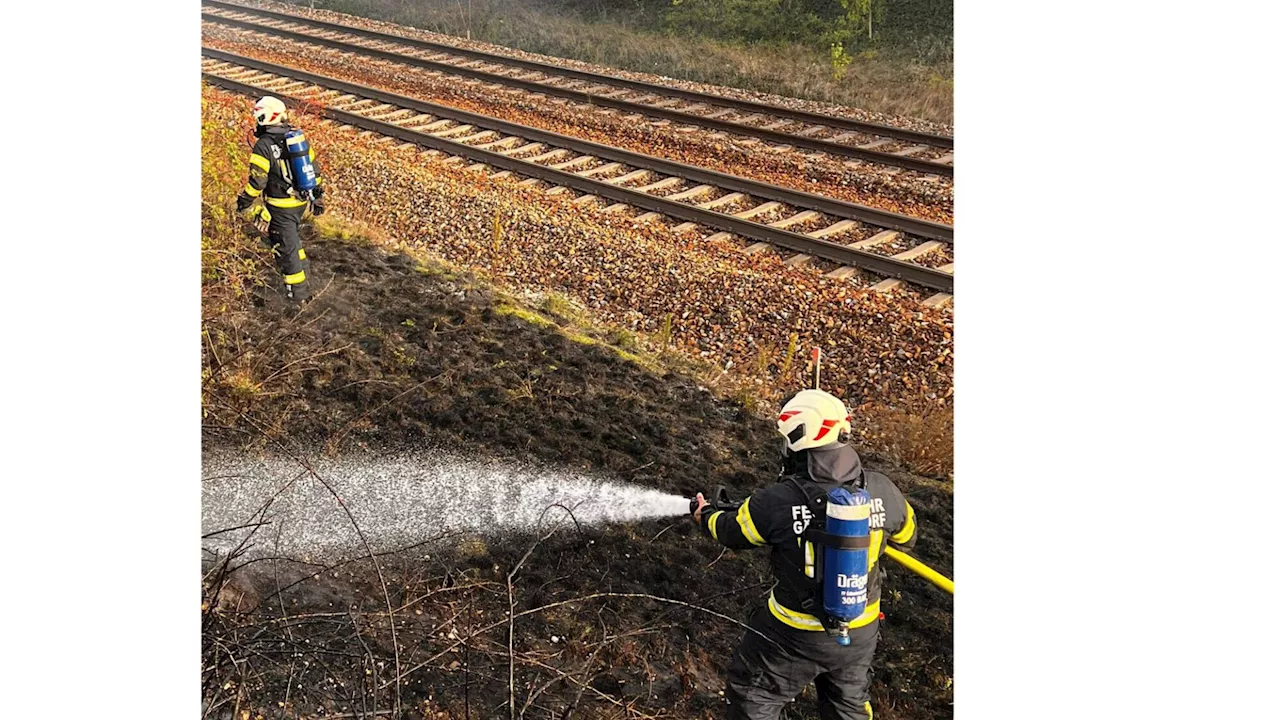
756, 21
921, 437
229, 264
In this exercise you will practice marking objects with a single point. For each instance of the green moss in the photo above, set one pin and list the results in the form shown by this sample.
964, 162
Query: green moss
624, 339
562, 307
526, 315
331, 225
631, 357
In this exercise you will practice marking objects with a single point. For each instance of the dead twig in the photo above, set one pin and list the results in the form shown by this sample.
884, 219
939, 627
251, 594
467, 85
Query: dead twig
373, 664
722, 552
312, 356
511, 610
655, 537
604, 633
208, 535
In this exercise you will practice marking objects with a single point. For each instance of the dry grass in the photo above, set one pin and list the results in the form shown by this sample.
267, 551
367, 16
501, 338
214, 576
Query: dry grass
921, 437
914, 80
230, 265
346, 229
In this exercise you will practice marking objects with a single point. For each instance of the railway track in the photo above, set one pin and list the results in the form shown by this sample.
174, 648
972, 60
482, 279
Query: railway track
813, 227
783, 127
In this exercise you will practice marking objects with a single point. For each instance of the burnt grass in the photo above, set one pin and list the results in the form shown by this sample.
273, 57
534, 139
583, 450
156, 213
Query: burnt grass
392, 355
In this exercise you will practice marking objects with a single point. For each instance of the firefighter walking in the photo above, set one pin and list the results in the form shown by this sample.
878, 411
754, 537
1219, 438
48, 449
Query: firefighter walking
285, 192
791, 642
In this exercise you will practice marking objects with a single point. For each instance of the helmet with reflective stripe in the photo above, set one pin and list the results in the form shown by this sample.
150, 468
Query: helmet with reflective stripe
811, 419
269, 111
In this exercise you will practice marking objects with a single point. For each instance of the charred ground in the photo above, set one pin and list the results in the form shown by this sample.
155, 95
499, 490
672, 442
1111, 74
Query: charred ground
395, 354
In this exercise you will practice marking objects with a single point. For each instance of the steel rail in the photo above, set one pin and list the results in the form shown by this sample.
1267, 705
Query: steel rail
809, 201
736, 128
775, 136
879, 264
834, 121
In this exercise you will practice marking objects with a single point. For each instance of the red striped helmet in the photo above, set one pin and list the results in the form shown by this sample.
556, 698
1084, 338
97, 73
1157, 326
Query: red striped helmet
811, 419
269, 111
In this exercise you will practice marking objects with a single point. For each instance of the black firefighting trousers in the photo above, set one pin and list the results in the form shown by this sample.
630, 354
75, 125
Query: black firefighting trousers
764, 676
286, 244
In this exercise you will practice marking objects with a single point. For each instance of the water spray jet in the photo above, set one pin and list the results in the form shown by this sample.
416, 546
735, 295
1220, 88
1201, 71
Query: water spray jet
404, 499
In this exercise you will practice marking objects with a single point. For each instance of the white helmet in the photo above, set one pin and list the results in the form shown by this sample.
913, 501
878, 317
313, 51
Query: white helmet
269, 111
811, 419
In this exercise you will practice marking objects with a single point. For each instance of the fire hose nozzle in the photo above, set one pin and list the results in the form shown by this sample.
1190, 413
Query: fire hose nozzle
719, 500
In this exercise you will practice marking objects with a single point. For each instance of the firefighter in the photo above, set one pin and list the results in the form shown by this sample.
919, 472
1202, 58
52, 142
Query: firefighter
282, 207
786, 647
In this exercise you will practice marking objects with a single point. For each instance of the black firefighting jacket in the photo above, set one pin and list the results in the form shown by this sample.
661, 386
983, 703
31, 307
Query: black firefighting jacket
778, 515
269, 171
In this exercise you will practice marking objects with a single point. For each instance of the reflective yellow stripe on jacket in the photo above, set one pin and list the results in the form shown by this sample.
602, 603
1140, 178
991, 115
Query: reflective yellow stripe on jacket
286, 202
908, 527
259, 161
747, 525
711, 523
805, 621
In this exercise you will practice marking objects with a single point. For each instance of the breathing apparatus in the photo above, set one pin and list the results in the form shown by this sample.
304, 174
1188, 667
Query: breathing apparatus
302, 173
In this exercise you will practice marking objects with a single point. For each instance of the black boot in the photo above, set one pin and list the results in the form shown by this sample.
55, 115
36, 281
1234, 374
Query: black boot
298, 294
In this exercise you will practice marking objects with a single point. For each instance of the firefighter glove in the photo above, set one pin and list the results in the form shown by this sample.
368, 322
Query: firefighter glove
256, 212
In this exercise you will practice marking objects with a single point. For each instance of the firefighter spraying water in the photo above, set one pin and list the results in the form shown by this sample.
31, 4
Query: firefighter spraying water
827, 522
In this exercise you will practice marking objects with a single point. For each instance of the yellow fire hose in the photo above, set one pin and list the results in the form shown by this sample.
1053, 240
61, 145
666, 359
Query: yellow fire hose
921, 569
